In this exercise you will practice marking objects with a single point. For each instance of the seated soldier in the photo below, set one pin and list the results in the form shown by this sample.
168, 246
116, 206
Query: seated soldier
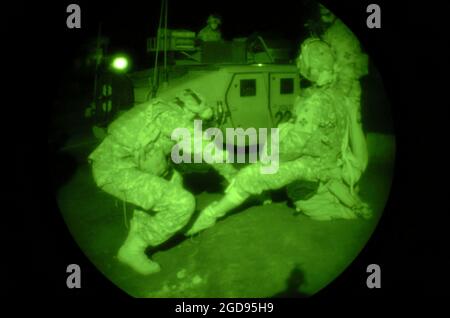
316, 147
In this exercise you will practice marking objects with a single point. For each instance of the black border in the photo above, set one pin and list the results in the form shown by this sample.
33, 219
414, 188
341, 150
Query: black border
407, 242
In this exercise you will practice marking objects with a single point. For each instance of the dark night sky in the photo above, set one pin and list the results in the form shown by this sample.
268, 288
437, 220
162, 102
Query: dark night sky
128, 25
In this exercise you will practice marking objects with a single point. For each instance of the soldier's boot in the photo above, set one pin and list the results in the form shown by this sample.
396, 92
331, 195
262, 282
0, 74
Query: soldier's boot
132, 252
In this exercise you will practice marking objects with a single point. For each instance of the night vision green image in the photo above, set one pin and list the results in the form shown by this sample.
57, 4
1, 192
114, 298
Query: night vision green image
215, 159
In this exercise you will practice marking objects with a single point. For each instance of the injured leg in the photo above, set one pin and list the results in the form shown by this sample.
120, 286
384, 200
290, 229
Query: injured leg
215, 210
249, 182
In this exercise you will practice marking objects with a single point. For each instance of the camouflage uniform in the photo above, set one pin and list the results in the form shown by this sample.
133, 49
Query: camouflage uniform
314, 148
132, 164
351, 63
311, 153
207, 34
310, 144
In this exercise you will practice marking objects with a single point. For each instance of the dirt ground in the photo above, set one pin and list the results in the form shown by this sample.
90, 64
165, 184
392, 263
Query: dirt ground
261, 251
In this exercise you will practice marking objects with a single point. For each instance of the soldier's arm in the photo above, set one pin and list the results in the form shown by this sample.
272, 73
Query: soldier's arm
358, 142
